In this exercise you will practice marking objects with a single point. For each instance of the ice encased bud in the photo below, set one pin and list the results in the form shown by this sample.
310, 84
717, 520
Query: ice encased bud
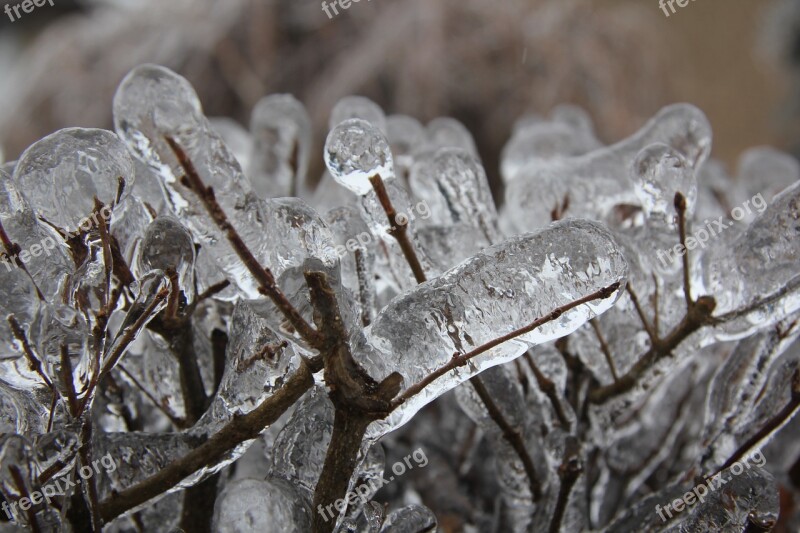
658, 172
168, 245
62, 174
355, 151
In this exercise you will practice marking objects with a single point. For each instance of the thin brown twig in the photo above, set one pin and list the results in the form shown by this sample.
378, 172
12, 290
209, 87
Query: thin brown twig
85, 453
549, 389
19, 482
177, 422
130, 334
604, 348
654, 339
680, 207
569, 472
511, 435
33, 361
398, 230
773, 424
69, 384
698, 316
363, 290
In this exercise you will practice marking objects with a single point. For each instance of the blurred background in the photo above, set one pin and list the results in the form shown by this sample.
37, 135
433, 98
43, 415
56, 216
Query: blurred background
484, 63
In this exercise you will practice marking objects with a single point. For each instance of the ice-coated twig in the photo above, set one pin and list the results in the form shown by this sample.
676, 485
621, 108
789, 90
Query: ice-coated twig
263, 275
773, 425
90, 487
698, 316
604, 348
549, 389
400, 233
569, 472
512, 435
130, 334
33, 361
19, 482
460, 360
680, 207
177, 422
238, 430
358, 399
69, 385
652, 332
362, 274
398, 230
13, 250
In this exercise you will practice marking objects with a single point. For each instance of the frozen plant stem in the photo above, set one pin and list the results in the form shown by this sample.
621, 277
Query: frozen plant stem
549, 389
604, 348
512, 435
192, 181
460, 360
397, 230
358, 399
569, 472
680, 207
698, 315
238, 430
774, 424
400, 233
33, 361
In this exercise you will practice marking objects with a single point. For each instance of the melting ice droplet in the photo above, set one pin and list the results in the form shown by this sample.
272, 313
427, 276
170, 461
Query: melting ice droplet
354, 152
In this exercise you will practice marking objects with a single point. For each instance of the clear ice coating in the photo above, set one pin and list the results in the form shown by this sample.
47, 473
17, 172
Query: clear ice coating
45, 259
456, 190
63, 173
405, 135
761, 262
568, 133
355, 151
56, 328
594, 184
281, 146
153, 103
446, 132
500, 290
260, 505
257, 362
357, 107
658, 172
